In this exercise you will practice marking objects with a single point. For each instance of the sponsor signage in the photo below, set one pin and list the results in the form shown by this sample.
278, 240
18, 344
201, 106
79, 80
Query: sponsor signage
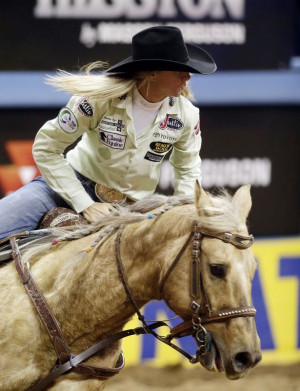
241, 34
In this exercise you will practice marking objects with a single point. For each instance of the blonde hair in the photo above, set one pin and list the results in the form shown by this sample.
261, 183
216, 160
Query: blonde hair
93, 82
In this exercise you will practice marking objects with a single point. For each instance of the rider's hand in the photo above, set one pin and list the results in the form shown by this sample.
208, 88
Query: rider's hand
96, 211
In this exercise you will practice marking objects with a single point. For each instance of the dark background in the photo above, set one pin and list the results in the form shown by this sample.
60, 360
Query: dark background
31, 43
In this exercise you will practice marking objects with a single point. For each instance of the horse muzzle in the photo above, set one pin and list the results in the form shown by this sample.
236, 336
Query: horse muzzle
234, 365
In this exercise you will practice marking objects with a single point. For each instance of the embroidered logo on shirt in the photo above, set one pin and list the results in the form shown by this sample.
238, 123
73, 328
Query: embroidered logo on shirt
153, 157
113, 140
164, 136
160, 147
111, 122
197, 128
67, 120
84, 107
120, 125
171, 123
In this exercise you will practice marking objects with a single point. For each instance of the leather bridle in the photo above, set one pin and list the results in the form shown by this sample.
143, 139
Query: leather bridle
203, 314
68, 362
200, 317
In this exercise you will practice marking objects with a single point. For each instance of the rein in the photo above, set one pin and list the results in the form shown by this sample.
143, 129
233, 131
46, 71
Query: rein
68, 362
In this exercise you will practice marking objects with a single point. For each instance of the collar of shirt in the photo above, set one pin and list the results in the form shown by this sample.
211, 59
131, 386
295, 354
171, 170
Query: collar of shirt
125, 102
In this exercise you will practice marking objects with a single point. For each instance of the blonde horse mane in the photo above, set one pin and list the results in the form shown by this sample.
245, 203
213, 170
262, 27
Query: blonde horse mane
219, 216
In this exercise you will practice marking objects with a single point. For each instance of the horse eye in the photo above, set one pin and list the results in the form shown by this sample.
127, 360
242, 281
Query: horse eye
218, 271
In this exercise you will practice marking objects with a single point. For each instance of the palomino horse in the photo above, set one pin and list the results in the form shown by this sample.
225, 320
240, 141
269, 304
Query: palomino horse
80, 280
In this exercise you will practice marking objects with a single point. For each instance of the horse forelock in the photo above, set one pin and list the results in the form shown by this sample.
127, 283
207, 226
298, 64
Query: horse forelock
221, 215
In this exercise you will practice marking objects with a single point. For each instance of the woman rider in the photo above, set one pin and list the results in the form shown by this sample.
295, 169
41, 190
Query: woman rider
127, 119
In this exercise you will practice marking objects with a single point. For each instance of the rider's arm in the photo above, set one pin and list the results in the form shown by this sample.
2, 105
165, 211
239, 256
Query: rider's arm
52, 140
185, 156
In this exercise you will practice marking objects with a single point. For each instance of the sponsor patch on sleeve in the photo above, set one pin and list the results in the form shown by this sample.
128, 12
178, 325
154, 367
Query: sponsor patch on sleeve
67, 120
85, 107
153, 157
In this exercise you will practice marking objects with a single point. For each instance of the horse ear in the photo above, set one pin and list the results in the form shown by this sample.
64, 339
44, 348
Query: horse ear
243, 201
200, 195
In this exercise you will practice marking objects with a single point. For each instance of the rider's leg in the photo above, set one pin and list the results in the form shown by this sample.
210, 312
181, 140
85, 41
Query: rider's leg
23, 209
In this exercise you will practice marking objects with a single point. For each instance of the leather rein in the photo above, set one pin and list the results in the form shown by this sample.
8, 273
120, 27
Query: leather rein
68, 362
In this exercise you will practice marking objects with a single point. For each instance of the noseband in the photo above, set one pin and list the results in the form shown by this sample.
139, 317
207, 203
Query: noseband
201, 314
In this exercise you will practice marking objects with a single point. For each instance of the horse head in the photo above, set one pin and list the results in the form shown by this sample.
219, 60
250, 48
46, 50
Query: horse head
222, 311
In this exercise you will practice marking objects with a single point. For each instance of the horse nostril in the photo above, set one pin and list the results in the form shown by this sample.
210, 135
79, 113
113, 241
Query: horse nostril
242, 361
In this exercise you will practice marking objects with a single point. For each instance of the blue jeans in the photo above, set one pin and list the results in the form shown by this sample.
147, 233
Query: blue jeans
23, 210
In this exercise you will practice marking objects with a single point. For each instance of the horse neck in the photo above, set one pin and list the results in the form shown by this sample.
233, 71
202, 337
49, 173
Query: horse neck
152, 247
94, 300
86, 295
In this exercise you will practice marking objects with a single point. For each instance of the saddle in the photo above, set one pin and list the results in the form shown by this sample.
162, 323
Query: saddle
56, 217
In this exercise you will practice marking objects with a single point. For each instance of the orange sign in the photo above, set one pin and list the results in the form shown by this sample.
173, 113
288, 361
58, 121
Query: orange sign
23, 168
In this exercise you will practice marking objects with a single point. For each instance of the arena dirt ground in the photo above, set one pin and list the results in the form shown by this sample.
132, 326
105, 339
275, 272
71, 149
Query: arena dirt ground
179, 378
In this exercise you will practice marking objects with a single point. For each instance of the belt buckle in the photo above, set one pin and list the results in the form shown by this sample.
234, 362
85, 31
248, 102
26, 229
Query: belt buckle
107, 194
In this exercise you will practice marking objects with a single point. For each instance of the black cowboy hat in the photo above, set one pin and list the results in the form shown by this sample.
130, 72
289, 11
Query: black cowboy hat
162, 48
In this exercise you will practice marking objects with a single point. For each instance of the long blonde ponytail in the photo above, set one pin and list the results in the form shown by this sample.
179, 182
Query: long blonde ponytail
95, 85
93, 82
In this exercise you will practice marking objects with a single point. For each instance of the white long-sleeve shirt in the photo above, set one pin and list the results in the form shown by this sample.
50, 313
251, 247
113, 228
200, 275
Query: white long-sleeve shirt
109, 151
